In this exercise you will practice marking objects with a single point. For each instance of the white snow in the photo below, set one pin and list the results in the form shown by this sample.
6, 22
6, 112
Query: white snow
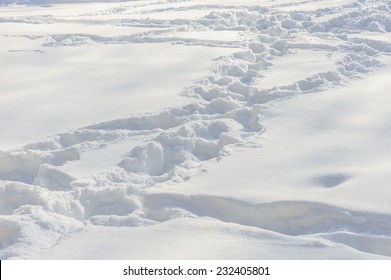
304, 64
83, 79
197, 239
195, 129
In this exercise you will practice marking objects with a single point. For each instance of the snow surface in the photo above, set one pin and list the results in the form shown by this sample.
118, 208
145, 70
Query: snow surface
195, 129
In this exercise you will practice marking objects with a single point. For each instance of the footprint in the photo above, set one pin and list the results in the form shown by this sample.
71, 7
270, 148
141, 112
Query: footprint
331, 180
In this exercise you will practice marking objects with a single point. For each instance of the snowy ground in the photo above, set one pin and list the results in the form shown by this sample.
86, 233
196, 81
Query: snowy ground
195, 129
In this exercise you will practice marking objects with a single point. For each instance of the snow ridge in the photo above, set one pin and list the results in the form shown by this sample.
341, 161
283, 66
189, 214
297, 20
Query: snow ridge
42, 201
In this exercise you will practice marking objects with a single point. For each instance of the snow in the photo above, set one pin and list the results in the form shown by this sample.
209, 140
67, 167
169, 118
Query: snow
305, 64
82, 80
196, 239
195, 130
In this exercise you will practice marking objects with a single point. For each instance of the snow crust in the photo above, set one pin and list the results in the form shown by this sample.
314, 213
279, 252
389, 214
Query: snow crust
223, 129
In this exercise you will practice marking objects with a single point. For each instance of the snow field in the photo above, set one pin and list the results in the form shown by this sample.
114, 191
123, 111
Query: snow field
224, 148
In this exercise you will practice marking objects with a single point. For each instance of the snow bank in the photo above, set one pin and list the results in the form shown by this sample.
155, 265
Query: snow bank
197, 239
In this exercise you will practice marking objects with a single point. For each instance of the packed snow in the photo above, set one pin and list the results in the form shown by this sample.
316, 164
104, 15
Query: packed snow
191, 129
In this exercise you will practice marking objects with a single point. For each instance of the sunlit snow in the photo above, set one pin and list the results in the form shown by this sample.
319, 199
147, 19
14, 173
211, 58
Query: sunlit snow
195, 129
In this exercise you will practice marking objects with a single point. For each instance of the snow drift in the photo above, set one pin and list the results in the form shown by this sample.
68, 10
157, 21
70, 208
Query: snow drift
224, 127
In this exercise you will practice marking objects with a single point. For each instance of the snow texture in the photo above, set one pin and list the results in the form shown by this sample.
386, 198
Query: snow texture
195, 129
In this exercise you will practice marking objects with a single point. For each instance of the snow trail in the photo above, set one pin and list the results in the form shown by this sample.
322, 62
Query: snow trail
45, 194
